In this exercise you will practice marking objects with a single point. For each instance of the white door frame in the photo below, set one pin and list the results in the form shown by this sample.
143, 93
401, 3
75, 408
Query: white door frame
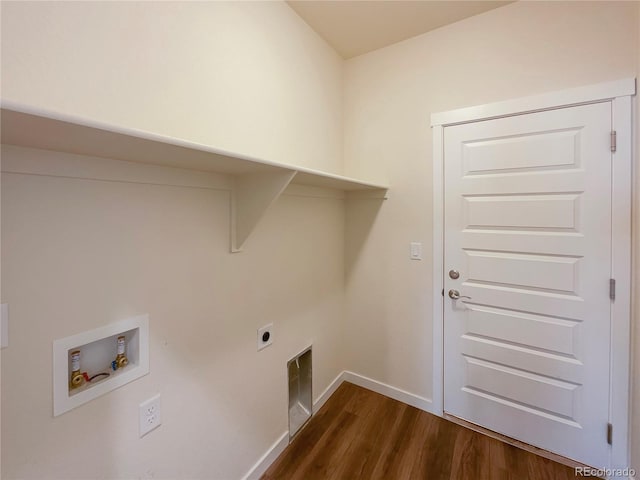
619, 93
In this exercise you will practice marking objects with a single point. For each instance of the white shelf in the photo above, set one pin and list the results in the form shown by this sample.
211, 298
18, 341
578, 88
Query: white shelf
258, 182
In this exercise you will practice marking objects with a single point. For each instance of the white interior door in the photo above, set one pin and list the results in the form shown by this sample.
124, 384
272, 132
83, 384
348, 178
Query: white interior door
528, 228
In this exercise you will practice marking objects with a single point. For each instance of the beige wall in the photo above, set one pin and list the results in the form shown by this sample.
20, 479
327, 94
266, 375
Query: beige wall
76, 253
518, 50
249, 77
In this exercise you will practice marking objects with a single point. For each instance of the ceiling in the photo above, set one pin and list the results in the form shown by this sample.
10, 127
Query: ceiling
356, 27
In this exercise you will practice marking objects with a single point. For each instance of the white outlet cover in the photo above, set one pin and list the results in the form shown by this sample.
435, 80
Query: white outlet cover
261, 331
150, 415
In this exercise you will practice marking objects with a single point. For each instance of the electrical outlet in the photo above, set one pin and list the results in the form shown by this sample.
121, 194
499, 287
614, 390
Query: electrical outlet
265, 336
150, 415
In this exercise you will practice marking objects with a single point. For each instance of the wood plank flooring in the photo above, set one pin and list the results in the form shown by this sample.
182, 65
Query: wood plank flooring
361, 435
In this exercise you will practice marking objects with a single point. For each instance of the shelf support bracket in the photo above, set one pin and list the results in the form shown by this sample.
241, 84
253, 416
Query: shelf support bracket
252, 195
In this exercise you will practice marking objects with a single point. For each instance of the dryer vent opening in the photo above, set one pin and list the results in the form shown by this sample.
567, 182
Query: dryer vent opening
300, 393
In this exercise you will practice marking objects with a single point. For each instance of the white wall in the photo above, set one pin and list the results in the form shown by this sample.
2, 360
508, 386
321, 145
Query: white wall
77, 253
250, 77
518, 50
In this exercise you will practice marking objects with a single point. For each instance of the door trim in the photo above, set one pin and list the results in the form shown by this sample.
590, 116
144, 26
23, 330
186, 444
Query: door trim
546, 101
619, 94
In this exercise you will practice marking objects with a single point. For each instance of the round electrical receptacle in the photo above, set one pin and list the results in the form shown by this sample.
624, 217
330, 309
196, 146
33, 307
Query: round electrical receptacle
266, 336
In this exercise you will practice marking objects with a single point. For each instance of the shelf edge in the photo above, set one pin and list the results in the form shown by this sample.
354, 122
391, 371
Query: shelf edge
10, 106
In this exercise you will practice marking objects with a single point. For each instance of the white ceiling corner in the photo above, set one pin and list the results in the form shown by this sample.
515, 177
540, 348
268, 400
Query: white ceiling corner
354, 27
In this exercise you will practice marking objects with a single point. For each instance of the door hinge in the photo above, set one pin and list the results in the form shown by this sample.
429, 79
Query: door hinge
609, 434
612, 288
613, 141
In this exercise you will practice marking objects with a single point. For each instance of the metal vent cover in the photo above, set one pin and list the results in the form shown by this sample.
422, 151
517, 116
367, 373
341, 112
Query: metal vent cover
299, 373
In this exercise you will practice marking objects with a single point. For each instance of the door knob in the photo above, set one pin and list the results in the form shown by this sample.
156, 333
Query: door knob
455, 294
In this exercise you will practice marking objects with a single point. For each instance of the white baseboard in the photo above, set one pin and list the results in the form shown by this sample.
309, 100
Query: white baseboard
389, 391
330, 390
375, 386
278, 447
268, 458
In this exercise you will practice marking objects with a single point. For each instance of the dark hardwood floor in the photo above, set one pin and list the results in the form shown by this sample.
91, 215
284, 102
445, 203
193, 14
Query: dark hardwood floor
362, 435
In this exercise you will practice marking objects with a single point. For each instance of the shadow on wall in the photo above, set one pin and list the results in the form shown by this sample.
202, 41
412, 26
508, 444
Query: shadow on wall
360, 216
